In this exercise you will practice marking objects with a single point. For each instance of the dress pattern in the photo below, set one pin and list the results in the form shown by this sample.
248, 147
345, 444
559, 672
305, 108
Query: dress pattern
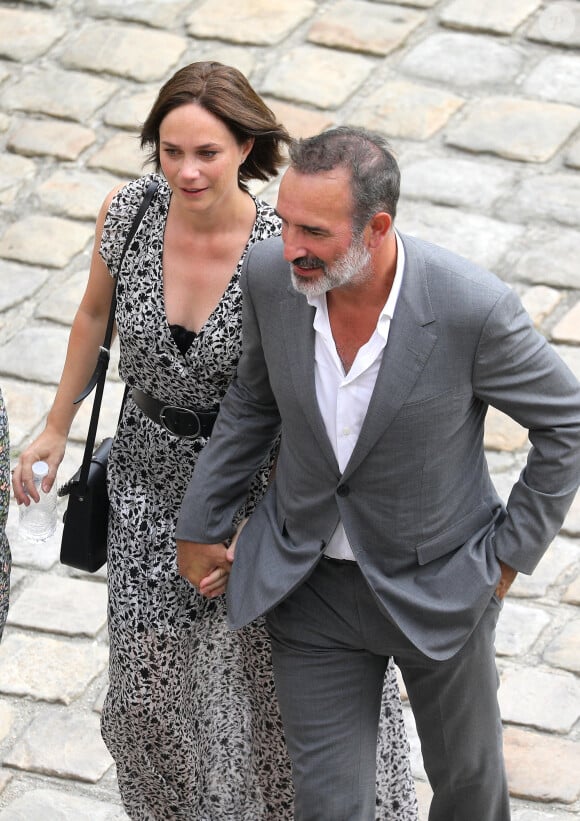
5, 559
190, 716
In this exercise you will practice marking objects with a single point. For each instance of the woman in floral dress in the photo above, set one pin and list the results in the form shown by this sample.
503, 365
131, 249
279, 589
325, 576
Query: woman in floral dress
190, 716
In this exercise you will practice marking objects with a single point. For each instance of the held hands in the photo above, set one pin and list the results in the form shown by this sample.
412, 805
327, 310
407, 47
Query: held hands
207, 566
207, 563
48, 447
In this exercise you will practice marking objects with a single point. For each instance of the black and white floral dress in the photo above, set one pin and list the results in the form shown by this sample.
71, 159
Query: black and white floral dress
190, 716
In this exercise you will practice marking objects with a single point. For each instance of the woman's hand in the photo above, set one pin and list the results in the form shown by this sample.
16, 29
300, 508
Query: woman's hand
197, 561
49, 447
216, 582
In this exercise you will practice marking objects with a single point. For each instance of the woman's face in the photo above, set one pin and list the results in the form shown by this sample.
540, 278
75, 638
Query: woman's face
199, 157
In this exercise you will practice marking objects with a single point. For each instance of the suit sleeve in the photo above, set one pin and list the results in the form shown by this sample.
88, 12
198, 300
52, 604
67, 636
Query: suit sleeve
244, 433
518, 372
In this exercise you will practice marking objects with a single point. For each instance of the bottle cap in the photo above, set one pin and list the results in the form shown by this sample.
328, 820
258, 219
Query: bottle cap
40, 470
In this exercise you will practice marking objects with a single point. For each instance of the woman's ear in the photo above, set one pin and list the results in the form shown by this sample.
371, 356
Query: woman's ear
246, 148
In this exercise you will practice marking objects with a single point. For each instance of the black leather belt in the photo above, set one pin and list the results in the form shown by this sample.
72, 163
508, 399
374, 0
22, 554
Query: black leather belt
189, 423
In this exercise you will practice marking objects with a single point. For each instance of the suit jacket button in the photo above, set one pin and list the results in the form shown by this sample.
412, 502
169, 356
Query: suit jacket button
343, 490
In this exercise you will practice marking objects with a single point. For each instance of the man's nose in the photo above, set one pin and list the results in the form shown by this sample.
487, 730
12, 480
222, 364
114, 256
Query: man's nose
293, 248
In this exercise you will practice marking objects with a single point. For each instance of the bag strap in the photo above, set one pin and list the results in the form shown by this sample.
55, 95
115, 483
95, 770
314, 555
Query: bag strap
97, 380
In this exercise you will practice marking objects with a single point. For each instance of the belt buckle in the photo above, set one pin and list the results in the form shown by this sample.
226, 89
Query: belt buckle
171, 416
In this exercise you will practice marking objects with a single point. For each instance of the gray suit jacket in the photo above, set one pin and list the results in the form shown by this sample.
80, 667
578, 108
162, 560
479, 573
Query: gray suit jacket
420, 511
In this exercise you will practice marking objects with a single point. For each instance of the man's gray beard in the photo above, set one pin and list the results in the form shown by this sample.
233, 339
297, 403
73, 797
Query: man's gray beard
352, 268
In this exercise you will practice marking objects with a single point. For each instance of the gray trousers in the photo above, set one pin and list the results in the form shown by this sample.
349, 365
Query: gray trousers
330, 648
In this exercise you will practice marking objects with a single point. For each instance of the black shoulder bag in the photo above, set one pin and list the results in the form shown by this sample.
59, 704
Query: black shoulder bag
84, 537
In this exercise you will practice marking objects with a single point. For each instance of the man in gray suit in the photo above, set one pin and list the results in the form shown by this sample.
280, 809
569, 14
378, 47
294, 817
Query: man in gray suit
376, 355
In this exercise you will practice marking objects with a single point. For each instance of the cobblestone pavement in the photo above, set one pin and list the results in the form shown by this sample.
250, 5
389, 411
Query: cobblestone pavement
482, 104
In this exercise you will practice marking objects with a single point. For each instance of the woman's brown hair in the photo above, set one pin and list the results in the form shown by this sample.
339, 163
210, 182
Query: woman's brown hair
225, 93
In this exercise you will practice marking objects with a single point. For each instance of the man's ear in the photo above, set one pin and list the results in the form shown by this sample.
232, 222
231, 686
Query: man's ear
378, 228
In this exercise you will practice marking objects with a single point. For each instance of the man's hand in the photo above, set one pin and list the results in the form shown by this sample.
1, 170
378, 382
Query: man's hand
215, 584
508, 575
197, 561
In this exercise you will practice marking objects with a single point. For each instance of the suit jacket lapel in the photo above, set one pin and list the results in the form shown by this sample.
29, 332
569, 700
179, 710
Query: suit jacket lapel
297, 322
408, 348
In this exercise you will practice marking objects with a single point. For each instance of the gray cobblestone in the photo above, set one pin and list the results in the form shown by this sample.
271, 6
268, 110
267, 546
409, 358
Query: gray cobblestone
515, 129
26, 35
65, 141
564, 651
161, 13
128, 111
48, 669
58, 805
355, 26
43, 91
530, 761
458, 182
493, 15
503, 433
121, 155
556, 78
558, 24
568, 329
337, 76
47, 241
519, 628
13, 171
423, 4
139, 54
465, 233
19, 283
572, 594
69, 607
406, 110
572, 157
559, 558
249, 21
540, 815
64, 301
540, 302
28, 408
20, 356
6, 719
463, 60
481, 103
83, 757
546, 197
540, 698
300, 122
549, 257
71, 193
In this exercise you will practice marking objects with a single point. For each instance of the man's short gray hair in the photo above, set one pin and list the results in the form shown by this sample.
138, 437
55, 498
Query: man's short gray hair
375, 175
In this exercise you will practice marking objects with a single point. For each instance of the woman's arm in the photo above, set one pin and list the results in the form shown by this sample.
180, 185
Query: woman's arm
87, 333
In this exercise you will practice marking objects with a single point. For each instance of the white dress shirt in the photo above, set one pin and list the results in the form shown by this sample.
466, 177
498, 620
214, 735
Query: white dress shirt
343, 399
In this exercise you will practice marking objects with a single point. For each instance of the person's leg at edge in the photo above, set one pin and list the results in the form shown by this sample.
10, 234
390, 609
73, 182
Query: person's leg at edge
459, 724
329, 691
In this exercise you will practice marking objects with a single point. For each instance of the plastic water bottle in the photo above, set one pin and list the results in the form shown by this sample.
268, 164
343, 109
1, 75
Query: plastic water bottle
37, 521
